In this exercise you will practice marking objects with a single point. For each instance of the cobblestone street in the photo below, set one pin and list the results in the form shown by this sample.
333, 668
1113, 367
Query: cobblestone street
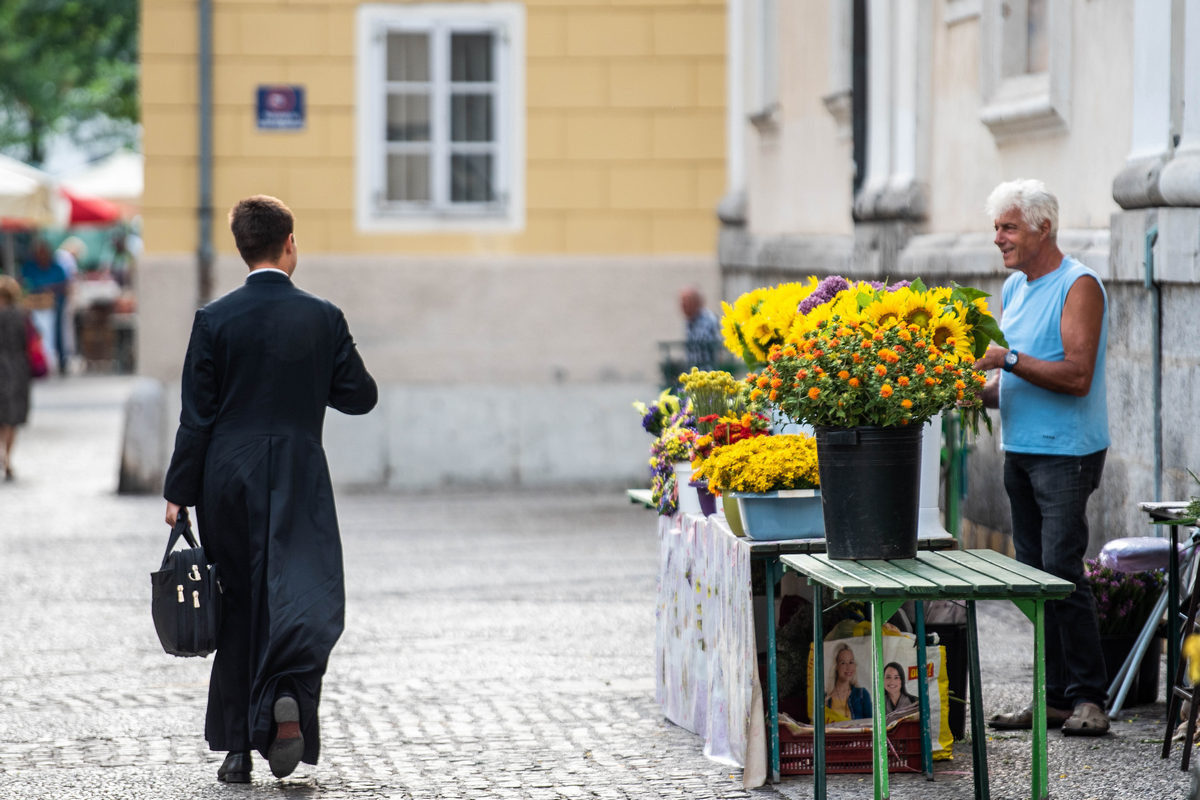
498, 645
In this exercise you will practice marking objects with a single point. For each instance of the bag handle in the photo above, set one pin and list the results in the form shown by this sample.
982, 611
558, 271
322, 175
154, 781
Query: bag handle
182, 528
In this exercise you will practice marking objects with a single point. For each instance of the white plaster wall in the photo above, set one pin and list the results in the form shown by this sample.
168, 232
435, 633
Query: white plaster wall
1077, 164
800, 171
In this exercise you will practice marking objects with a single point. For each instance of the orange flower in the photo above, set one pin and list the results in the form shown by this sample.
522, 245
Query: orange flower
776, 383
801, 374
755, 394
906, 403
762, 381
853, 383
919, 369
939, 369
843, 374
885, 390
857, 358
930, 381
880, 370
773, 396
959, 385
919, 344
902, 380
814, 393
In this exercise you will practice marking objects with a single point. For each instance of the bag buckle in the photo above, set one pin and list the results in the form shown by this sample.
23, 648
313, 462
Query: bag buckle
195, 573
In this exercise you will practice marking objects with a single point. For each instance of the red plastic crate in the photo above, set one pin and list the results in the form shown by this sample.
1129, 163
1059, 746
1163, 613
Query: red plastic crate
850, 752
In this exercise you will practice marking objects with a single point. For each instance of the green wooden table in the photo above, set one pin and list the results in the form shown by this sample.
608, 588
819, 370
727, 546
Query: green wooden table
967, 575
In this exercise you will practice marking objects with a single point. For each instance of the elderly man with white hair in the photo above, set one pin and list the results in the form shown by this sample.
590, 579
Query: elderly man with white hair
1054, 431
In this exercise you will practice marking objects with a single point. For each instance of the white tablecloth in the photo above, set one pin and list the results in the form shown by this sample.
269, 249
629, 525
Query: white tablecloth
707, 658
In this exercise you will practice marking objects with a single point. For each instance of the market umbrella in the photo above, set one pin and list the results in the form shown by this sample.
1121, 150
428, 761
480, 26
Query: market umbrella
91, 210
116, 177
30, 196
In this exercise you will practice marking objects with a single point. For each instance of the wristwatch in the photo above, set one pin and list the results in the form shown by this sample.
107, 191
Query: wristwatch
1010, 360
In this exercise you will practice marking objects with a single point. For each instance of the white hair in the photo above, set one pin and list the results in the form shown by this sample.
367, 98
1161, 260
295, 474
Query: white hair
1028, 196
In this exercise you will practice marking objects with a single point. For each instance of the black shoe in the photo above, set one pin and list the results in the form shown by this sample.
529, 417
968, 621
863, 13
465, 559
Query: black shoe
236, 768
288, 746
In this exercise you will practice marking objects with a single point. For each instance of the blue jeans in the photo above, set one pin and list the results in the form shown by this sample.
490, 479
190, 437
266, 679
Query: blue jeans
1048, 496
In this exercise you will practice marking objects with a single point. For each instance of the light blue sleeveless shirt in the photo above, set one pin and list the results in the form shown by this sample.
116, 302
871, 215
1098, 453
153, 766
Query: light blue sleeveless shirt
1037, 420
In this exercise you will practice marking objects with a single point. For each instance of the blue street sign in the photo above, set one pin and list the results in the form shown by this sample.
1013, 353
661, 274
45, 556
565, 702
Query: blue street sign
280, 108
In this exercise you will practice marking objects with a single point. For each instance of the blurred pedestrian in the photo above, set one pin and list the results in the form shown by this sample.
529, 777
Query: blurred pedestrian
263, 363
47, 282
703, 330
1049, 386
69, 255
14, 368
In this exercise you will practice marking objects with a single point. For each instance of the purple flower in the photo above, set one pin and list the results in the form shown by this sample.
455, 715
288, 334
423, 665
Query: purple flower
825, 291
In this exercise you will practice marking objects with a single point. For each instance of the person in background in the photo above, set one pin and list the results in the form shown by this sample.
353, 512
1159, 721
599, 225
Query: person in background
69, 255
1049, 386
846, 700
896, 696
46, 282
262, 365
14, 368
703, 331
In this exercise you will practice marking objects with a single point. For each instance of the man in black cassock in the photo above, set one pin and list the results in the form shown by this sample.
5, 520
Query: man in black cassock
262, 364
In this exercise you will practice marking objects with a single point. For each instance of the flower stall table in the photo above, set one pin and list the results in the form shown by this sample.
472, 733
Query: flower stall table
968, 575
706, 651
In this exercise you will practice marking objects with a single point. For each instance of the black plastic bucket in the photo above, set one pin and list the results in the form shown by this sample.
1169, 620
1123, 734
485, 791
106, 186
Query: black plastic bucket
870, 490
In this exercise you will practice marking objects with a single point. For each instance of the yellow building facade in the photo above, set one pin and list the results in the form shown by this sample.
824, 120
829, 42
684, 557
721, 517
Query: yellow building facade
505, 198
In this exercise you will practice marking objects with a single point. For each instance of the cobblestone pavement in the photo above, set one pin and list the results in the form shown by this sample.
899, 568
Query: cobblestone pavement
498, 645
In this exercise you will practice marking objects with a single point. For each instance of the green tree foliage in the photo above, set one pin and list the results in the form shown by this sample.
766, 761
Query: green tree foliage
65, 64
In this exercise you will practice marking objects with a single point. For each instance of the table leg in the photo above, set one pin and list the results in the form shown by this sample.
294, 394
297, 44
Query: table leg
1040, 789
1173, 633
771, 565
818, 693
879, 744
975, 688
923, 692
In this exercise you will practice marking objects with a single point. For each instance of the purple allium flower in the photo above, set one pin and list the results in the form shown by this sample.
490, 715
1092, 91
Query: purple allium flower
824, 292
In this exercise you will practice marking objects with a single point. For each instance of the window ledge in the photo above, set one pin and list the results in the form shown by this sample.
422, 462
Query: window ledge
840, 107
1022, 106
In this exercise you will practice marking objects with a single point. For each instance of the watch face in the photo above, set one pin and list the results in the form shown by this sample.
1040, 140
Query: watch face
1010, 360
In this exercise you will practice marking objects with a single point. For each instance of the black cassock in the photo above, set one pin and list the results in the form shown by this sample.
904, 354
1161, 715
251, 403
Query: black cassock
262, 364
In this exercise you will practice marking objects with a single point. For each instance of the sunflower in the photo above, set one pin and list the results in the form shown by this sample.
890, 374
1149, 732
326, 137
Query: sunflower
887, 308
920, 308
951, 335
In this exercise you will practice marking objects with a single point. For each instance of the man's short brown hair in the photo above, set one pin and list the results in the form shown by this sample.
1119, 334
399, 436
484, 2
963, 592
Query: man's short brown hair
261, 225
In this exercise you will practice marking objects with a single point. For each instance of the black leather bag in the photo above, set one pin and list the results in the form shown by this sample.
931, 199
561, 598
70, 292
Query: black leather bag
186, 596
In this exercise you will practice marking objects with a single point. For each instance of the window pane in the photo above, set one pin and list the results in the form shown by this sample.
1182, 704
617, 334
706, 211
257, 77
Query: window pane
471, 179
1039, 42
471, 118
408, 178
407, 57
408, 118
470, 57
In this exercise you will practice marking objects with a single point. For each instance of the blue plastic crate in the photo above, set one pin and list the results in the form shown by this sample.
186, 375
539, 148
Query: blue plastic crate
784, 514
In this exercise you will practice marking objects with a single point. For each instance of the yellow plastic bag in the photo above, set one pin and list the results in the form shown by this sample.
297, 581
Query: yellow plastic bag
854, 653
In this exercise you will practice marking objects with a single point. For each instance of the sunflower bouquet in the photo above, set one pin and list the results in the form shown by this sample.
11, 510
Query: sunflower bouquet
886, 356
762, 318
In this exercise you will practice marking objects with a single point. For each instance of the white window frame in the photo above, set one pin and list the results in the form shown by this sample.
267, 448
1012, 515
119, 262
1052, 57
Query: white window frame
373, 214
1031, 103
